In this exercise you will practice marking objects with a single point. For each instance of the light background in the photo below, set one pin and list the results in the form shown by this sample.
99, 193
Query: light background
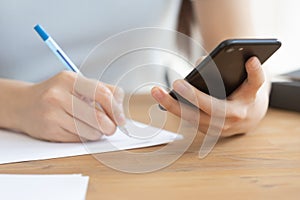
279, 19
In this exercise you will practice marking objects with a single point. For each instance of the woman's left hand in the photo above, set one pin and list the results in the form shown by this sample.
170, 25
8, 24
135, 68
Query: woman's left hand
244, 109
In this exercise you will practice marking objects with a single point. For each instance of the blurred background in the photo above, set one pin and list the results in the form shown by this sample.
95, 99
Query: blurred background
78, 34
279, 19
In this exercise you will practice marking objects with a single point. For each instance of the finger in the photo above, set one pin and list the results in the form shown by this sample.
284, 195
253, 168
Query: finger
206, 103
110, 105
99, 92
118, 93
78, 127
192, 115
87, 132
94, 117
61, 135
180, 109
255, 77
86, 113
195, 116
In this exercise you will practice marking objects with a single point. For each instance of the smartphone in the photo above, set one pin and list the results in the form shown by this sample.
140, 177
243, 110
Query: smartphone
223, 71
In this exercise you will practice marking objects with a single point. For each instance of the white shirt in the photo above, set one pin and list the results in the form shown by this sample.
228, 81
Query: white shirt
78, 27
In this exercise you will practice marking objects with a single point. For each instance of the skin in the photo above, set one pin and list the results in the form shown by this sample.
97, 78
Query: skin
220, 20
244, 108
55, 109
49, 109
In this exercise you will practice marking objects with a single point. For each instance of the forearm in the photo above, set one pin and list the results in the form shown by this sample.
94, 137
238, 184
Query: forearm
12, 93
220, 20
56, 110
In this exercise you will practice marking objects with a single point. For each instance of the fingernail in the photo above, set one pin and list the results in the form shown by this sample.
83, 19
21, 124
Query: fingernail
181, 86
254, 63
157, 93
121, 119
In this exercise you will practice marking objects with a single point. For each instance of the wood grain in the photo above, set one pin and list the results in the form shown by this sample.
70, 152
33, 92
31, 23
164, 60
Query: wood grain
263, 164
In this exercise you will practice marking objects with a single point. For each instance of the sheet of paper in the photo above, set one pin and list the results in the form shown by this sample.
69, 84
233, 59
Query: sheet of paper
37, 187
17, 147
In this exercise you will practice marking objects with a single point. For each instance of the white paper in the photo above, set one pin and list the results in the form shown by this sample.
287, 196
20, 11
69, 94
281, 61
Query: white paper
17, 147
46, 187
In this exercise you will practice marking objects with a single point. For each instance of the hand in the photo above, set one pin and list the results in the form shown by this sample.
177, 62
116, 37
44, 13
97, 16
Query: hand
62, 109
245, 107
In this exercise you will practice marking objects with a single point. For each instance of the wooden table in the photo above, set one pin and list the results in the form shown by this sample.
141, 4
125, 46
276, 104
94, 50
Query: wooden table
264, 164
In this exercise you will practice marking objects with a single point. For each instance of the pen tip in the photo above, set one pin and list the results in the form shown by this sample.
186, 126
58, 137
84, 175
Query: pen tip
124, 130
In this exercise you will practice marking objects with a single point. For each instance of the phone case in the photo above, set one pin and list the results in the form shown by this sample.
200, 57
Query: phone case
223, 71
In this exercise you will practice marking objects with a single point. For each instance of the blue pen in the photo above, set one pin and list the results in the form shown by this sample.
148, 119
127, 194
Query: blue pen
65, 60
56, 49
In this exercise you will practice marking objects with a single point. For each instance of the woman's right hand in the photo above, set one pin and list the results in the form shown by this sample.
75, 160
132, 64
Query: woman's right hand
62, 109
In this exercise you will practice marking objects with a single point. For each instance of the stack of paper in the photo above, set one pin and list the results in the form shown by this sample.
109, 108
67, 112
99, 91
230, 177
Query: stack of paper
17, 147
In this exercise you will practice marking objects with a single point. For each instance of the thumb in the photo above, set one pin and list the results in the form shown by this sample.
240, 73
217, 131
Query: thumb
256, 77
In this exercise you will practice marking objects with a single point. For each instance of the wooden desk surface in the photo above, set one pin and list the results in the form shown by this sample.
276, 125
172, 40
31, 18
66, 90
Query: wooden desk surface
264, 164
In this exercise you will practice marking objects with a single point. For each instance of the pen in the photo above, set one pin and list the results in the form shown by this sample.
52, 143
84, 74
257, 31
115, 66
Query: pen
65, 60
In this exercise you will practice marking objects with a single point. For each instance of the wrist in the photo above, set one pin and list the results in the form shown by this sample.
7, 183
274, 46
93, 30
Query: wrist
14, 93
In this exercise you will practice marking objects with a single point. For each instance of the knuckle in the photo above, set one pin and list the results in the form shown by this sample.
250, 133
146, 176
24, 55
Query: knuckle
217, 106
242, 114
107, 96
238, 114
258, 82
66, 76
226, 127
52, 95
169, 106
106, 93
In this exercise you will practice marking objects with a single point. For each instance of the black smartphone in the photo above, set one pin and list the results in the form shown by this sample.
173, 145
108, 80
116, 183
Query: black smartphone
223, 71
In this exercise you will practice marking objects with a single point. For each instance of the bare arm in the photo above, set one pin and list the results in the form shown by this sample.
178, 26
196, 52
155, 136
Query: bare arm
61, 109
11, 93
219, 20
